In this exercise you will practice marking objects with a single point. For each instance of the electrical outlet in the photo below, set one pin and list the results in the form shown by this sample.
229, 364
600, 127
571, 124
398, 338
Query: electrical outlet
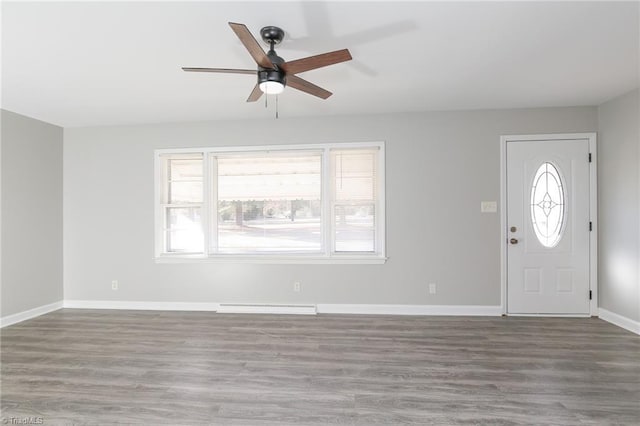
114, 285
296, 286
432, 288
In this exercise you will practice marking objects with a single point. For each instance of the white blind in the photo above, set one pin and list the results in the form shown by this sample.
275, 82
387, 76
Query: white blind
354, 174
270, 176
184, 183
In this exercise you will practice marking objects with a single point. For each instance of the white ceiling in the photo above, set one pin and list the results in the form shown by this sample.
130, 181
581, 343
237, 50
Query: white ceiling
87, 63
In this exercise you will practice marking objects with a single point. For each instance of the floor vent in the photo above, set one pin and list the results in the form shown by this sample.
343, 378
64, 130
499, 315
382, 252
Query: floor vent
244, 308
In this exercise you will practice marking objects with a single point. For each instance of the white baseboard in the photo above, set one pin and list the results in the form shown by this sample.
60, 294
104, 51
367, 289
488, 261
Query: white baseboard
31, 313
382, 309
459, 310
243, 308
551, 315
140, 306
455, 310
619, 320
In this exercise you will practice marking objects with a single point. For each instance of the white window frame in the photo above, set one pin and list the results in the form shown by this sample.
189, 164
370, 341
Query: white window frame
328, 226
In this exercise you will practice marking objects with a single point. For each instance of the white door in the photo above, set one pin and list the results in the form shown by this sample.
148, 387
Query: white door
548, 225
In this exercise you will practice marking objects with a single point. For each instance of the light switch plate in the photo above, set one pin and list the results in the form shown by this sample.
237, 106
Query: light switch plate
488, 207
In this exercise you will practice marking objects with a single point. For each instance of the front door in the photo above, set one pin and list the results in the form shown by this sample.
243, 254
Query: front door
548, 225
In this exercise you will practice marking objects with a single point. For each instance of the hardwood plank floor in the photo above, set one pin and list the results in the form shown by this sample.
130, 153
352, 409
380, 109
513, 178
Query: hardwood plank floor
181, 368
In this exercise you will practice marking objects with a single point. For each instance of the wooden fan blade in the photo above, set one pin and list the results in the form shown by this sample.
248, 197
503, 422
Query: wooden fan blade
304, 86
223, 70
317, 61
255, 94
251, 44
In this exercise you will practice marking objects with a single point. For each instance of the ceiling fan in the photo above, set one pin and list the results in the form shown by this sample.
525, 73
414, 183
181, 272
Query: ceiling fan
273, 72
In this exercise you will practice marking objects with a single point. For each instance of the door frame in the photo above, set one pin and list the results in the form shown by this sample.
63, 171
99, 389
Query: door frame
593, 212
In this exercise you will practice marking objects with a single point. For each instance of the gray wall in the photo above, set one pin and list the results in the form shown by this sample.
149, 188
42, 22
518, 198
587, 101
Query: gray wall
440, 166
31, 213
619, 205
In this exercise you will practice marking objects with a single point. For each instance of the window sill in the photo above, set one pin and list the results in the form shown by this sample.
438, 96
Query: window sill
274, 259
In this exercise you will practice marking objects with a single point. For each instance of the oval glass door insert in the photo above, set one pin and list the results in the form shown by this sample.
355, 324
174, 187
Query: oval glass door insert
547, 205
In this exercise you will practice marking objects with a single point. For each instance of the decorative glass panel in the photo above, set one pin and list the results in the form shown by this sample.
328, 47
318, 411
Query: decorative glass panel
547, 205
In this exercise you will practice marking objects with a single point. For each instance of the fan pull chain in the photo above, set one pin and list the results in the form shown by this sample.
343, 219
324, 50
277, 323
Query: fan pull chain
266, 104
276, 107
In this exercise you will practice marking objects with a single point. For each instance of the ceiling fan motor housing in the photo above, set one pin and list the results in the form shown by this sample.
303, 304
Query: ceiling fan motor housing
266, 74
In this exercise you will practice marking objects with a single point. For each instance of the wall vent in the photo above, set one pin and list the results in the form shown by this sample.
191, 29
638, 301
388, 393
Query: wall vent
245, 308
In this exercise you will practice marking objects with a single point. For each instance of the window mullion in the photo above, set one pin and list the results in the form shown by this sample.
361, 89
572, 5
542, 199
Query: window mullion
380, 219
327, 197
212, 179
204, 212
161, 244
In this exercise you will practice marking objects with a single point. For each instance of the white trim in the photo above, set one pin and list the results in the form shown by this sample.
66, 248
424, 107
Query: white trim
457, 310
212, 229
305, 309
503, 224
206, 204
140, 306
245, 308
362, 309
551, 315
159, 243
280, 259
593, 210
381, 203
31, 313
261, 148
619, 320
327, 196
593, 214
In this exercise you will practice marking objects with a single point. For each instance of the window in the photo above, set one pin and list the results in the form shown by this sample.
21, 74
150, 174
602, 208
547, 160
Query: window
313, 203
182, 203
354, 187
269, 202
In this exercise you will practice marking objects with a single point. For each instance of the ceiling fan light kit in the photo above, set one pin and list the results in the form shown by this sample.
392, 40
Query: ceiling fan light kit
271, 87
274, 73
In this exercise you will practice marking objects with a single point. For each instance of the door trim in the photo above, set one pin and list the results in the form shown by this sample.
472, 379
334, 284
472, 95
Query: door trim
593, 211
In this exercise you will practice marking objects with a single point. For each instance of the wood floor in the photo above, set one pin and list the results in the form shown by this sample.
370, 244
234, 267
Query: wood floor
183, 368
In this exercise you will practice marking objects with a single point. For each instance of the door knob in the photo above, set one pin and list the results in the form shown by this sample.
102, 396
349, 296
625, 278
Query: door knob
513, 241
